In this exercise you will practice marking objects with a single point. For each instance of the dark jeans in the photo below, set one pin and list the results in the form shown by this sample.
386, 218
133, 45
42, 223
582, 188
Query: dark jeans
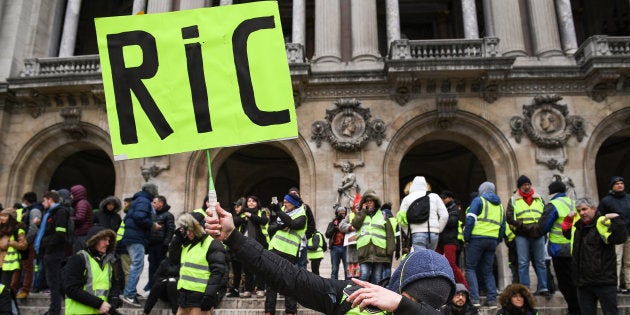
481, 251
315, 265
156, 255
607, 296
52, 264
302, 259
290, 304
337, 254
562, 267
165, 290
237, 271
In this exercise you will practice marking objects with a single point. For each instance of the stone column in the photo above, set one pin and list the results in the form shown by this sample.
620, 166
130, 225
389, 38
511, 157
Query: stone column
469, 10
191, 4
298, 32
70, 25
139, 5
364, 31
225, 2
158, 6
544, 28
487, 18
392, 15
327, 32
54, 40
567, 28
506, 16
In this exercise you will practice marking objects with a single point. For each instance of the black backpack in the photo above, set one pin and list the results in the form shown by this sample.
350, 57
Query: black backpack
419, 210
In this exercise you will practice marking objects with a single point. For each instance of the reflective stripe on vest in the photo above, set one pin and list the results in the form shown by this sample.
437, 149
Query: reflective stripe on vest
528, 213
97, 283
288, 242
121, 231
489, 220
13, 257
195, 271
19, 213
373, 231
563, 206
319, 252
200, 211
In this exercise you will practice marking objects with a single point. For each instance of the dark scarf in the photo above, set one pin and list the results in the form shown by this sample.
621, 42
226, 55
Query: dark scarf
527, 197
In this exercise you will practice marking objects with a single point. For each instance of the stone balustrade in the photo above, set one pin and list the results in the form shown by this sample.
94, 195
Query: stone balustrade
444, 49
602, 45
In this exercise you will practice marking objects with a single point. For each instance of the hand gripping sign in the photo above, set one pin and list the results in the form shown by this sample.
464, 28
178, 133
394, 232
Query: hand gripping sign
190, 80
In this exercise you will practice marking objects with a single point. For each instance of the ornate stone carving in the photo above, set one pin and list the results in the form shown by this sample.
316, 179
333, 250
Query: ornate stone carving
401, 91
489, 85
547, 123
349, 187
446, 108
602, 84
32, 101
153, 166
72, 123
348, 127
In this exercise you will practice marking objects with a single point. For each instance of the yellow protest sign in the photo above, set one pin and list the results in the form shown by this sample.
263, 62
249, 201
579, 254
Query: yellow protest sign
197, 79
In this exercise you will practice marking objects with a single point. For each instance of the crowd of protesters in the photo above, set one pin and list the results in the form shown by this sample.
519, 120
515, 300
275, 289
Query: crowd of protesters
586, 243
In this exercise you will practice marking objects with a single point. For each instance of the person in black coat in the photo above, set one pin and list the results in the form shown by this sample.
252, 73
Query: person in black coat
164, 286
107, 215
460, 304
420, 285
99, 247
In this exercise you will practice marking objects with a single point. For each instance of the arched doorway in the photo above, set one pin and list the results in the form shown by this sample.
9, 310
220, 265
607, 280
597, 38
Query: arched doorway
612, 160
259, 169
446, 165
91, 168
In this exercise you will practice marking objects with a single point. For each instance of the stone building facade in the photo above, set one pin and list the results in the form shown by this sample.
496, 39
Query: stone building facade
460, 91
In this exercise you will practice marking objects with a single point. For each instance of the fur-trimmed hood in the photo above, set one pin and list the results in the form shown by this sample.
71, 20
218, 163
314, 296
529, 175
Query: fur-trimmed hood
110, 199
506, 295
97, 233
188, 221
371, 194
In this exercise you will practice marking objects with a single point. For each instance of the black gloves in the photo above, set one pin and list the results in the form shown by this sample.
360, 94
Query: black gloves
207, 302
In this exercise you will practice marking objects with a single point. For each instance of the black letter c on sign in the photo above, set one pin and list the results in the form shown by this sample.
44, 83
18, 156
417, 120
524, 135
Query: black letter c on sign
241, 61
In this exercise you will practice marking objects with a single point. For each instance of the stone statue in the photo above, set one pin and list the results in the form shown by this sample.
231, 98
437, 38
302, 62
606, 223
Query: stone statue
349, 187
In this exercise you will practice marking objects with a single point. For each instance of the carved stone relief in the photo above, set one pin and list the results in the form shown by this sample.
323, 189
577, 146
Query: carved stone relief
153, 166
446, 109
348, 127
549, 126
72, 123
349, 186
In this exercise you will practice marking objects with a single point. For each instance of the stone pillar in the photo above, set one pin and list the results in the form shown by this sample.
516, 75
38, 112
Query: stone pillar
191, 4
392, 15
70, 25
298, 35
364, 31
139, 5
469, 10
55, 32
506, 16
487, 19
544, 28
158, 6
327, 32
225, 2
567, 28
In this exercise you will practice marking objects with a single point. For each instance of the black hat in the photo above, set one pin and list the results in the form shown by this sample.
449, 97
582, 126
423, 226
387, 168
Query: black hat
239, 201
446, 194
615, 179
522, 180
557, 187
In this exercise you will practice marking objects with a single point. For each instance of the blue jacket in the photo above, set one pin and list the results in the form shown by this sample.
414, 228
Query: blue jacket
139, 220
475, 207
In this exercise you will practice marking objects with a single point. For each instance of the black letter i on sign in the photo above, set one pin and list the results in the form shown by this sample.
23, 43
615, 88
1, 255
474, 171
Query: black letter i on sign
194, 62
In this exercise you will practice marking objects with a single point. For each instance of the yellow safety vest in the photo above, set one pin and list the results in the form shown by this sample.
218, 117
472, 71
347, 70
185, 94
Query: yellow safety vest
265, 227
288, 242
13, 257
195, 271
373, 231
528, 213
200, 210
356, 310
563, 206
97, 283
319, 252
489, 220
121, 231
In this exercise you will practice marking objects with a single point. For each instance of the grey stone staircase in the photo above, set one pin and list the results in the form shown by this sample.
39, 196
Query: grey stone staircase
37, 304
